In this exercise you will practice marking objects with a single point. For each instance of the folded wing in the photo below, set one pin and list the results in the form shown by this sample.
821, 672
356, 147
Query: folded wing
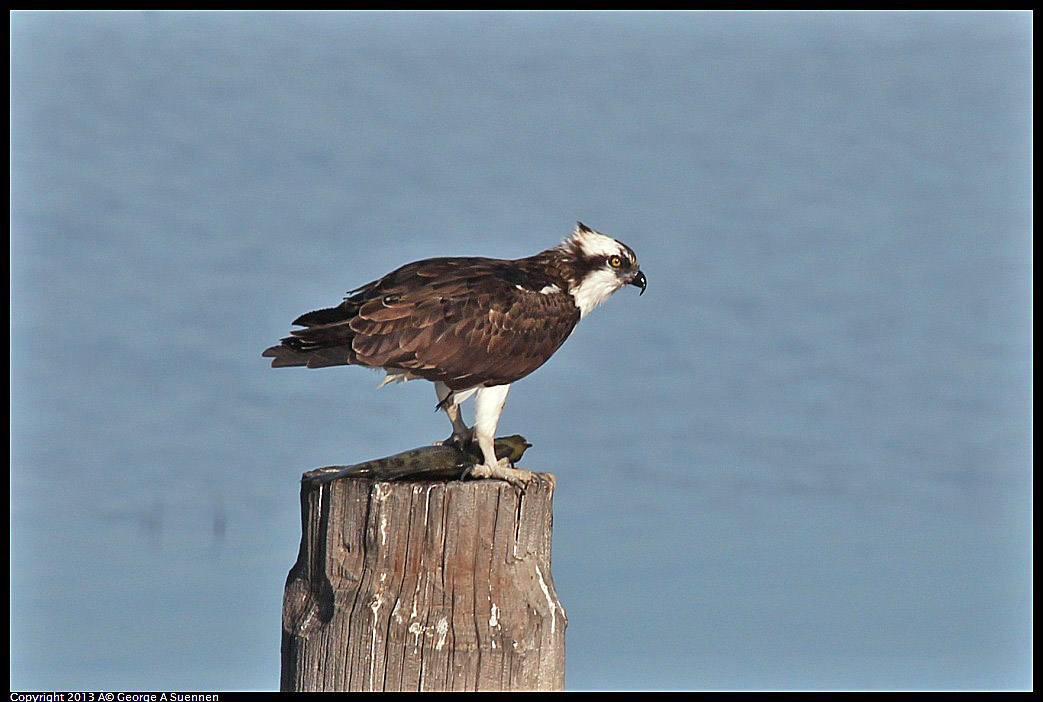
461, 321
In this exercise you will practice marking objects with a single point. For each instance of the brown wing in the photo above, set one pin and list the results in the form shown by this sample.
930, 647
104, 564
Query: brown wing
462, 321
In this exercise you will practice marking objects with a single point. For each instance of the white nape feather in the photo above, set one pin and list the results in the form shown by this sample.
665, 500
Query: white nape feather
594, 289
593, 243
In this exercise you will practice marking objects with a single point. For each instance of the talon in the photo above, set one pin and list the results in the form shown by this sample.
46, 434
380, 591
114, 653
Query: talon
502, 470
461, 441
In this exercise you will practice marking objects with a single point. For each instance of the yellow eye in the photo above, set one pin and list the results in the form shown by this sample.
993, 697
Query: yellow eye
615, 261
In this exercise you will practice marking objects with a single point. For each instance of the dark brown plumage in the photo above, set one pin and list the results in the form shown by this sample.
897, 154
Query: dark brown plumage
461, 321
472, 326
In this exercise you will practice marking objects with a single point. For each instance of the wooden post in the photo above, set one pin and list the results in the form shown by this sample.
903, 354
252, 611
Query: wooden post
429, 585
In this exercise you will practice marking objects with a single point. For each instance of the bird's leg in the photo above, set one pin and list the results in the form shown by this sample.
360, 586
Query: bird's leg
462, 435
488, 404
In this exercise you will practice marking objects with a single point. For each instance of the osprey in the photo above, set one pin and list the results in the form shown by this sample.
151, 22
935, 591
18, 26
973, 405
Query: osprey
470, 325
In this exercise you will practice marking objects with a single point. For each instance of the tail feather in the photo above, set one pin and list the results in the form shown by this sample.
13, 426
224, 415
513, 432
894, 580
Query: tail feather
334, 356
326, 340
285, 356
329, 315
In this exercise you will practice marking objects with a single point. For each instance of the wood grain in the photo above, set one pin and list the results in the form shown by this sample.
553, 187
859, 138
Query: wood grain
423, 586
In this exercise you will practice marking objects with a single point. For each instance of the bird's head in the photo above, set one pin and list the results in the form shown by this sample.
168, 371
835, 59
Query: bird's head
597, 266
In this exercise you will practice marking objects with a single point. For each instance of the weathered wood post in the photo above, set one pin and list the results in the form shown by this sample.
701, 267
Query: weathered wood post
423, 585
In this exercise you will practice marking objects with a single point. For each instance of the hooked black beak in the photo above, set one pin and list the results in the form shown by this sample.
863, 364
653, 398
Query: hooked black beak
638, 280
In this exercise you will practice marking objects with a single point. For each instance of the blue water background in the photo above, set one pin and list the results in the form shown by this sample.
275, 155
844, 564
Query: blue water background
801, 460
